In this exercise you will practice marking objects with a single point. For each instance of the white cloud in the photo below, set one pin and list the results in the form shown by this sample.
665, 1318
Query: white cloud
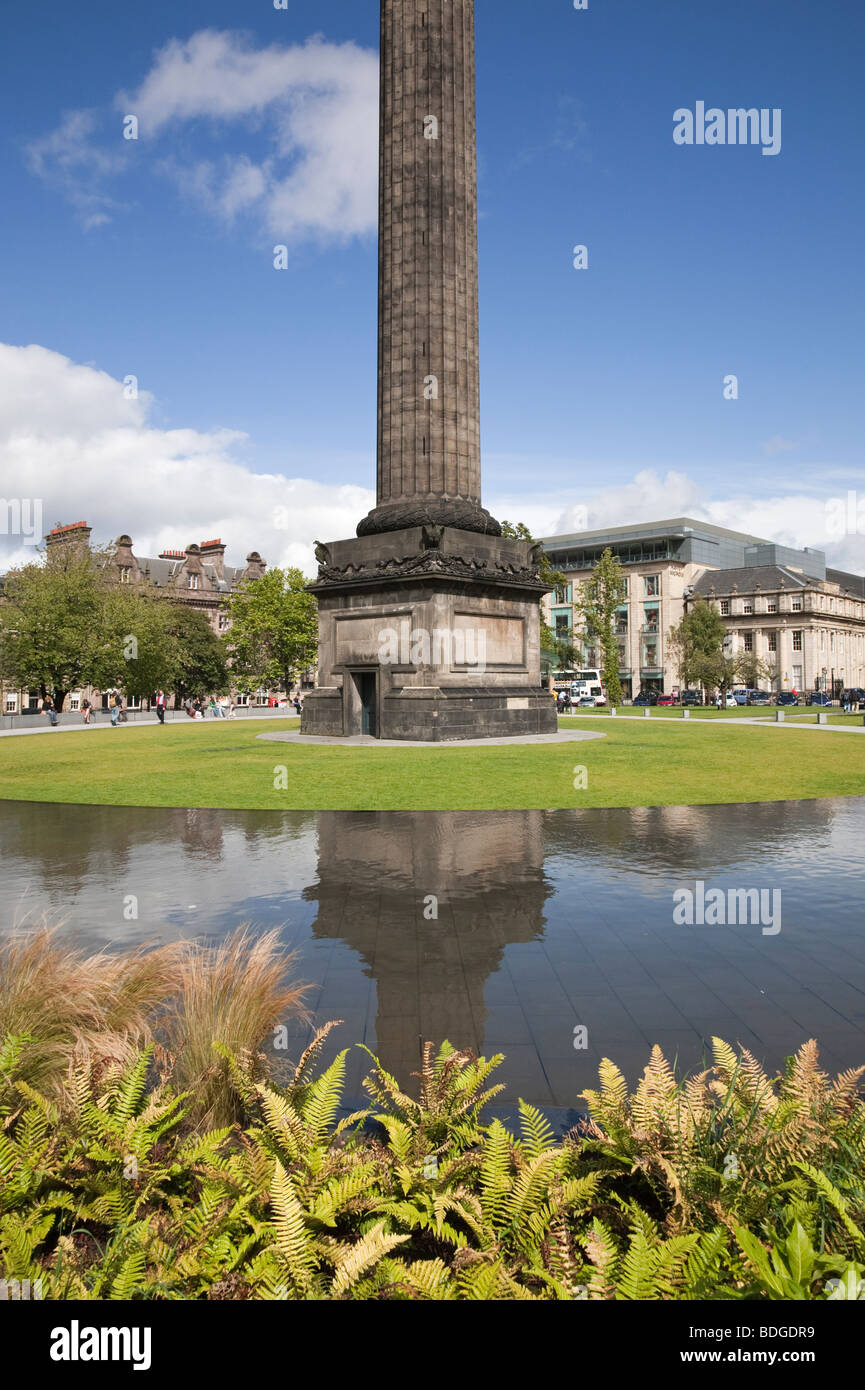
796, 519
779, 445
70, 438
307, 114
68, 158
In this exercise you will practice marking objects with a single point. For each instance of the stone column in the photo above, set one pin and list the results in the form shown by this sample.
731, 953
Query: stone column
428, 455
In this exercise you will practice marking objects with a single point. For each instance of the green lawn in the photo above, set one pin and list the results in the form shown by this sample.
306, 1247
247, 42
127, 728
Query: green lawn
806, 714
638, 763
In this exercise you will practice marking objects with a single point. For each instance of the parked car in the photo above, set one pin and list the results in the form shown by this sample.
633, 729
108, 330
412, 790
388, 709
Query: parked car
586, 702
666, 700
818, 697
741, 695
646, 697
786, 697
727, 701
758, 697
690, 697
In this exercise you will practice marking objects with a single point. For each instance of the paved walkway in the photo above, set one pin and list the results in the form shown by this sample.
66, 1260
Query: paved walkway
41, 725
364, 741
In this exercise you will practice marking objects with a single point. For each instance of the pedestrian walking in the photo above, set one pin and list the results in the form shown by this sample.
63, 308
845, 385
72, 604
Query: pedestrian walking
48, 708
115, 710
160, 706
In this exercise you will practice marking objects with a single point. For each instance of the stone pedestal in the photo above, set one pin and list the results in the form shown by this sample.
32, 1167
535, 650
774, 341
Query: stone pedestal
428, 634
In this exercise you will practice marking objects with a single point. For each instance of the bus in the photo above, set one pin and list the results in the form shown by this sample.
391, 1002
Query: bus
581, 684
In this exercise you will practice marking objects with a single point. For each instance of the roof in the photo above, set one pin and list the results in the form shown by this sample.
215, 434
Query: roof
854, 582
677, 526
749, 578
164, 572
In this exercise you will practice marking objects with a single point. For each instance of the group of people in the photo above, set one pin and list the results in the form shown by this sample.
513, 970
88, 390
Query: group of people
221, 708
218, 707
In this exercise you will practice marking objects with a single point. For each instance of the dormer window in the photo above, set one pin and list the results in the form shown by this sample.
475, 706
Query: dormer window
125, 574
194, 581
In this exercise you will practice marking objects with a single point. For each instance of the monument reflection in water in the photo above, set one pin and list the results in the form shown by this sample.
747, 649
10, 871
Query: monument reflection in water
501, 931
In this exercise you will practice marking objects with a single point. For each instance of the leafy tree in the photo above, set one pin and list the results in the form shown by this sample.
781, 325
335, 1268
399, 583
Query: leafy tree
551, 579
58, 627
199, 658
698, 644
274, 629
750, 670
596, 603
144, 625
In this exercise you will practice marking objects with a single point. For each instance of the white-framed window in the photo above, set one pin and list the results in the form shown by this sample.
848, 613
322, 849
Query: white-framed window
797, 605
224, 622
797, 641
652, 583
193, 581
797, 677
749, 641
725, 608
771, 605
747, 606
773, 641
133, 702
261, 697
75, 700
11, 703
242, 699
125, 574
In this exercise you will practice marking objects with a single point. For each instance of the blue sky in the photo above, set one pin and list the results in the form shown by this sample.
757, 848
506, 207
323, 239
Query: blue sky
600, 387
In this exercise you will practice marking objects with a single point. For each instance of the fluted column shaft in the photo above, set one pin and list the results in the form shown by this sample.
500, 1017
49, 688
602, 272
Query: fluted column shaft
428, 386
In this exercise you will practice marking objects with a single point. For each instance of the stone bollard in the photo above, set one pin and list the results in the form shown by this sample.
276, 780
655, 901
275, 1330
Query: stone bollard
686, 714
779, 716
822, 718
647, 712
612, 711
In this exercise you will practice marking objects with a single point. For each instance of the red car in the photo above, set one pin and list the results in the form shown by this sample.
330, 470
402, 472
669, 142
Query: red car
666, 700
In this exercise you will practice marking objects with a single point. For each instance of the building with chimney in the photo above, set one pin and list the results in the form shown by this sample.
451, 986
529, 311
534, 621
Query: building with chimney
196, 576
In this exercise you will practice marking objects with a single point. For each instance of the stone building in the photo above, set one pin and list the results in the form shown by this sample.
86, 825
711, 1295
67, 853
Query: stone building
808, 629
196, 576
806, 620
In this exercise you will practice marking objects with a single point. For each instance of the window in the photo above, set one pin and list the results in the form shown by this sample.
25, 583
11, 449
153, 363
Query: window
797, 605
797, 677
771, 605
125, 574
749, 641
747, 606
194, 581
797, 641
725, 608
773, 641
563, 593
75, 701
652, 584
11, 704
224, 622
563, 626
242, 699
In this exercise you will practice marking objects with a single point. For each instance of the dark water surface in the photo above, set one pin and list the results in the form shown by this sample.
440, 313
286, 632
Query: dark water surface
547, 922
